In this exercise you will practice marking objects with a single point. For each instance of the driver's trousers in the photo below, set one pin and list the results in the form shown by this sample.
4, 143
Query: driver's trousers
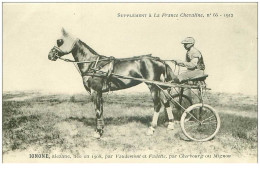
190, 74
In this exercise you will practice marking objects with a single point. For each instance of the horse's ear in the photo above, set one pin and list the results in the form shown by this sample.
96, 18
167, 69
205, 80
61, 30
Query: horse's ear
64, 33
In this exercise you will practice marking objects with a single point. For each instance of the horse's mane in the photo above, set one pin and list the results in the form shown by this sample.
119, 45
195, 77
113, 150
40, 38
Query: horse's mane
89, 48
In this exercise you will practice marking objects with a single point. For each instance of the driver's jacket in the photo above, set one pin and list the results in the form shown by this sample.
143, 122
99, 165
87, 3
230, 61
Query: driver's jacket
192, 63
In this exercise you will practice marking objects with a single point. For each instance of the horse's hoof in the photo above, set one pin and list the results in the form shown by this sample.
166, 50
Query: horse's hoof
97, 135
171, 126
150, 131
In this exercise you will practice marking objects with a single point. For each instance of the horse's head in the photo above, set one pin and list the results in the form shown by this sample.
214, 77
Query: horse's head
64, 46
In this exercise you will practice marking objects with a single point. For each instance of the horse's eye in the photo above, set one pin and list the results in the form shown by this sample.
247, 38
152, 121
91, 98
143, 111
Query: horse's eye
59, 42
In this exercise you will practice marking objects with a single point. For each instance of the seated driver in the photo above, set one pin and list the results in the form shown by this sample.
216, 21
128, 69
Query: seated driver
194, 61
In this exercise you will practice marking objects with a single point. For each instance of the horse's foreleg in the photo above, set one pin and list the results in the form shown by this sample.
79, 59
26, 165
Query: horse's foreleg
157, 105
98, 103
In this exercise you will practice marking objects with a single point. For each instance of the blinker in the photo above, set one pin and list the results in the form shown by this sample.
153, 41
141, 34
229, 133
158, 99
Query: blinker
60, 42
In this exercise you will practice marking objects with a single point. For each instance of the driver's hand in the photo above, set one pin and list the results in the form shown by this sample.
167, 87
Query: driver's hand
180, 63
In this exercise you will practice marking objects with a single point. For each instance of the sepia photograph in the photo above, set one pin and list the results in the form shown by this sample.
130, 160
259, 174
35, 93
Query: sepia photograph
129, 83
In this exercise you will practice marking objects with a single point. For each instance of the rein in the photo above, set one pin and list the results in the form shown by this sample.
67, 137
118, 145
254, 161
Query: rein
106, 59
111, 59
73, 61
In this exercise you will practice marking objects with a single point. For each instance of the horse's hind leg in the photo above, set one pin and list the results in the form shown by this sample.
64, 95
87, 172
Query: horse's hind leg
168, 108
98, 103
155, 92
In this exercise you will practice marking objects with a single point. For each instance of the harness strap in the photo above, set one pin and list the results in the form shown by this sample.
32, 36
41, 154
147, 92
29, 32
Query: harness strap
95, 66
165, 73
109, 72
111, 66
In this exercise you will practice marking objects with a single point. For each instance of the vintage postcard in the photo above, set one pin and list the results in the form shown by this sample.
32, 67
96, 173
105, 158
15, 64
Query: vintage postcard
129, 82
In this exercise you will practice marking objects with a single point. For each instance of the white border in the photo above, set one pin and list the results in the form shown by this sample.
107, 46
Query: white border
125, 172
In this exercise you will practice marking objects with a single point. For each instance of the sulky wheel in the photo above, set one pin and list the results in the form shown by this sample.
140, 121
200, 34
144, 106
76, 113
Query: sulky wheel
200, 122
184, 102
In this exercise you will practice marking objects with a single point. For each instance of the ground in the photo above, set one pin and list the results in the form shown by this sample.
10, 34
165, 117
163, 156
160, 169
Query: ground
64, 124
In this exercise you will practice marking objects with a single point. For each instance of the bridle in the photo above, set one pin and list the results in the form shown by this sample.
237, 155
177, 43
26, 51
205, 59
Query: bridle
94, 67
58, 50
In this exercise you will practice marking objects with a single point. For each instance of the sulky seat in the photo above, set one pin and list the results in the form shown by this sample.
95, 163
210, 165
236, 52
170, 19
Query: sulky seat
199, 78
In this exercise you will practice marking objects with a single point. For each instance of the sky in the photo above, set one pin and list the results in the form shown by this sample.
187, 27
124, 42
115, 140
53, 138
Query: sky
228, 45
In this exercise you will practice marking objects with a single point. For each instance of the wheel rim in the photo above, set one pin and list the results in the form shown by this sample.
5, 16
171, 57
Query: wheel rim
200, 122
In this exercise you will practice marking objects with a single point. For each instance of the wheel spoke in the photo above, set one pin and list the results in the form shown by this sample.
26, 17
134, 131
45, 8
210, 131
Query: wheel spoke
193, 123
210, 122
200, 123
208, 118
206, 113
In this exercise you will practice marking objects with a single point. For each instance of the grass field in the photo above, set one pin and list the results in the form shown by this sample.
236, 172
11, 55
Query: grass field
41, 123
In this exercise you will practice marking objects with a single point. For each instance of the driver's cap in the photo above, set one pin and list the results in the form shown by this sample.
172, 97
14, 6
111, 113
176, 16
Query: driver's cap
188, 40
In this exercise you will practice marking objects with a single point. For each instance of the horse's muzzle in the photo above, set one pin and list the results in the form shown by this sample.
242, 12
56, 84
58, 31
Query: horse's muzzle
52, 58
53, 54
